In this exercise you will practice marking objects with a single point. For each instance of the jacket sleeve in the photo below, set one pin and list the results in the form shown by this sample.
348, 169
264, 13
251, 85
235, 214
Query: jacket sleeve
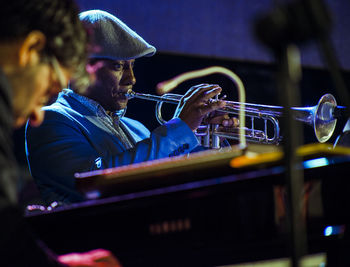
171, 139
62, 146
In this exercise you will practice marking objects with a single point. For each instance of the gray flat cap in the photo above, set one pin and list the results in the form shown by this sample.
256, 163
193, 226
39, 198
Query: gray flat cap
113, 39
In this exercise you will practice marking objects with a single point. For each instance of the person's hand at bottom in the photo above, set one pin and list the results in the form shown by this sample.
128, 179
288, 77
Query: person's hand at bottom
93, 258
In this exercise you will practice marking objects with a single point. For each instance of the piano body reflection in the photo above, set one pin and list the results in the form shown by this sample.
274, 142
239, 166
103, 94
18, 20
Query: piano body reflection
214, 208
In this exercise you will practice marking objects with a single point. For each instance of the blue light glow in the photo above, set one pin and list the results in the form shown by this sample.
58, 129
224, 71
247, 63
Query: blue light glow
93, 194
334, 230
315, 163
328, 231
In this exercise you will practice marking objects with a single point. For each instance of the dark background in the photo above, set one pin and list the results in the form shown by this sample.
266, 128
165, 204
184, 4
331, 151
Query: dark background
217, 29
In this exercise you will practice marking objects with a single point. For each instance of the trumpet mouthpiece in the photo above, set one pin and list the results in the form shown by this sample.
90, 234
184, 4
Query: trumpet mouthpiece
130, 94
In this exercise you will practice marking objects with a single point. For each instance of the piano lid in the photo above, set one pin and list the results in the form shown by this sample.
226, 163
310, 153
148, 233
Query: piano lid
194, 167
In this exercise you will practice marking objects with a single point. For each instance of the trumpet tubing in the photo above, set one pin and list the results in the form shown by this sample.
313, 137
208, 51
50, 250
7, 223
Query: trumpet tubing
320, 117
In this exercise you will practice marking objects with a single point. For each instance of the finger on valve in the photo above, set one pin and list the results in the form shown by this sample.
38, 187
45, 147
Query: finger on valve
194, 106
221, 119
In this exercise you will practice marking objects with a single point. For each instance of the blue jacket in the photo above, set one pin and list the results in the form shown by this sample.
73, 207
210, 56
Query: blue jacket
72, 139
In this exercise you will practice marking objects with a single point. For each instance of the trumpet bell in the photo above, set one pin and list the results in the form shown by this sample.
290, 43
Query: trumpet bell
325, 122
320, 117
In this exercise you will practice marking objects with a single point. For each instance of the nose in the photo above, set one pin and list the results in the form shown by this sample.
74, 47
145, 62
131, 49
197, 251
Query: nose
128, 75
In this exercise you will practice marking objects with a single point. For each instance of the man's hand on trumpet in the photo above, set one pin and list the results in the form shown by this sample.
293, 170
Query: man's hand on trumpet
196, 105
222, 119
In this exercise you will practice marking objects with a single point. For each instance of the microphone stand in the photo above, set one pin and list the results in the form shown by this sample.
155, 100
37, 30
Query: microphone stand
294, 23
288, 78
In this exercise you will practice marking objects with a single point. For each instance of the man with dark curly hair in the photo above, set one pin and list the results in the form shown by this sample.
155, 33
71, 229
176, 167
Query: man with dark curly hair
42, 43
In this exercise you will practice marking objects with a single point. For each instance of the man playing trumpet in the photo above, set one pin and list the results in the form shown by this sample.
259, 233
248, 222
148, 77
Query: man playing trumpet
84, 132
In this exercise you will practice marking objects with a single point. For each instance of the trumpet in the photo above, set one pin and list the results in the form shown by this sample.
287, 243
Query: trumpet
321, 117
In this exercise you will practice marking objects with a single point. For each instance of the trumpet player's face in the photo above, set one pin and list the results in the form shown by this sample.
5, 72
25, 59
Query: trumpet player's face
113, 78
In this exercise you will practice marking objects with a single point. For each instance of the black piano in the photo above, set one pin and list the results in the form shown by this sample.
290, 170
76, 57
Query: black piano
211, 209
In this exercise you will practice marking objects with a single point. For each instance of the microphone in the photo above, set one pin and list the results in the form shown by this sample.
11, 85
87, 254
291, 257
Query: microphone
296, 22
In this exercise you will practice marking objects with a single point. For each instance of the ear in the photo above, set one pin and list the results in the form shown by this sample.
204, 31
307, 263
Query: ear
32, 45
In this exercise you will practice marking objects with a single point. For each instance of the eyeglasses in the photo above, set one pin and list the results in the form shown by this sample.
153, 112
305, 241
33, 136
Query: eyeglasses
58, 71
